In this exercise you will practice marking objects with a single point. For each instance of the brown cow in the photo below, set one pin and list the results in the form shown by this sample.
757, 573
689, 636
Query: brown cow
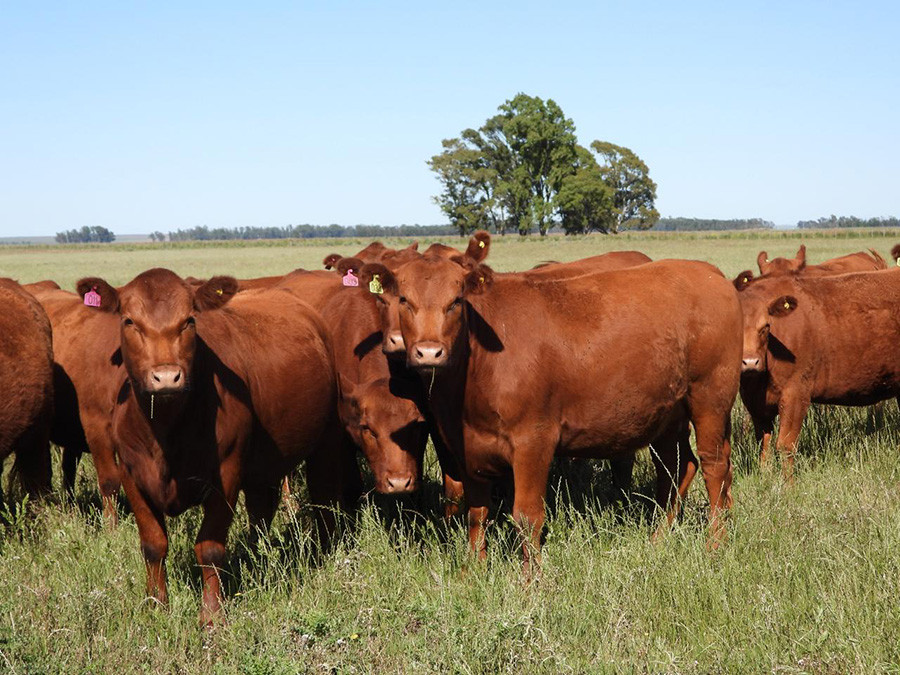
26, 376
376, 252
598, 365
87, 375
853, 262
223, 392
816, 339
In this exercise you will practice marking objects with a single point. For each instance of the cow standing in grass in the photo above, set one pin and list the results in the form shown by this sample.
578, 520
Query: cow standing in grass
596, 365
221, 392
816, 339
761, 388
26, 379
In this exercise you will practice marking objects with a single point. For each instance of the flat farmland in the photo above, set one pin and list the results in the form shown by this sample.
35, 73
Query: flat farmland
808, 581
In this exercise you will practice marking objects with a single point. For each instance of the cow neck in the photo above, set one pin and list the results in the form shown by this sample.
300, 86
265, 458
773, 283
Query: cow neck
445, 390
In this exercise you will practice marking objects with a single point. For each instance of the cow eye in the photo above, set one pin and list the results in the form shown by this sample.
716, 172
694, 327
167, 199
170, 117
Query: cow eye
454, 305
402, 300
127, 322
191, 321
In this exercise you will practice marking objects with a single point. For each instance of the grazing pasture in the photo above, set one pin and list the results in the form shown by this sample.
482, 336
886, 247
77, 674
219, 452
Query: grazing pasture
808, 581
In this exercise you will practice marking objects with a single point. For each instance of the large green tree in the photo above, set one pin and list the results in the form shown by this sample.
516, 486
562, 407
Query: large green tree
634, 192
523, 170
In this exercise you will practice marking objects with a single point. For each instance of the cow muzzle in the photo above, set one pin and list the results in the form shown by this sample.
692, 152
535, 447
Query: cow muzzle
751, 365
394, 343
167, 379
398, 484
427, 355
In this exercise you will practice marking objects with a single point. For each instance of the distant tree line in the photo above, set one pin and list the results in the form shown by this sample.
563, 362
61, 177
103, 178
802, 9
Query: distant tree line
523, 171
704, 224
85, 235
848, 221
204, 233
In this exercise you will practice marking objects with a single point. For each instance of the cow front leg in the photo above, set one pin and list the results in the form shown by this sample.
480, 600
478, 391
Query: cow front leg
478, 501
218, 512
792, 412
530, 472
151, 526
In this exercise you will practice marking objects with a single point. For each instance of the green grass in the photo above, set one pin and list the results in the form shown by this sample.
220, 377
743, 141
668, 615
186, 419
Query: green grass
807, 583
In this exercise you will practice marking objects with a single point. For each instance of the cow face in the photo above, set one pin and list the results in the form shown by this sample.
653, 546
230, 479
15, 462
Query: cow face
431, 297
384, 421
759, 313
158, 331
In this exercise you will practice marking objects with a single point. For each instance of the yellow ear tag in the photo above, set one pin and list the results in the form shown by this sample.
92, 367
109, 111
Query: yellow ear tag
375, 285
218, 291
480, 244
480, 280
787, 305
746, 280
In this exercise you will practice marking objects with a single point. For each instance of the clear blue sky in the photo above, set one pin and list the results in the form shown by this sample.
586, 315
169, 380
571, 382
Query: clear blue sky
157, 116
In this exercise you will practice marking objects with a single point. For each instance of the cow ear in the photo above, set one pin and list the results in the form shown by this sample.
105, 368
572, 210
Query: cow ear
215, 293
378, 279
331, 260
109, 296
762, 261
413, 247
783, 306
801, 256
478, 280
479, 246
743, 280
895, 253
349, 265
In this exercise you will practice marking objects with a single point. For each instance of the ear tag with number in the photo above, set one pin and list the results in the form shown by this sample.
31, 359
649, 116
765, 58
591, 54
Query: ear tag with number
92, 298
375, 285
349, 279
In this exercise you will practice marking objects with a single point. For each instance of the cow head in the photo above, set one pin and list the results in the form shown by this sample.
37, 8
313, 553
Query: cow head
782, 265
430, 294
760, 309
158, 331
385, 422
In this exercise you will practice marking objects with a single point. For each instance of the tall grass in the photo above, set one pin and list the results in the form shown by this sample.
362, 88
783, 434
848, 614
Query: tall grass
807, 582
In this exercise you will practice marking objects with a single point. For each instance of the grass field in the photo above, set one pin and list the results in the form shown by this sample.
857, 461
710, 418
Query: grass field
809, 581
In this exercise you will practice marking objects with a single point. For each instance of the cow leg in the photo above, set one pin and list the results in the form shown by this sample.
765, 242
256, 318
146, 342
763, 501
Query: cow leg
874, 417
107, 478
792, 412
261, 502
714, 447
334, 482
676, 466
32, 465
478, 501
454, 495
622, 470
762, 429
154, 540
70, 458
218, 512
530, 473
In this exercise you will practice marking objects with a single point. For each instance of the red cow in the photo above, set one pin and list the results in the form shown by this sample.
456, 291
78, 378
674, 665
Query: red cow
222, 392
26, 376
816, 339
854, 262
87, 377
594, 365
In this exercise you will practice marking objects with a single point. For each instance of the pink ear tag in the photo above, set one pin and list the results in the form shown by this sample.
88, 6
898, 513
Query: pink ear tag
92, 298
350, 280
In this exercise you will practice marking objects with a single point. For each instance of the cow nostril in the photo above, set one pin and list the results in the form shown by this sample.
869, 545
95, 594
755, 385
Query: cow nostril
438, 353
177, 377
156, 377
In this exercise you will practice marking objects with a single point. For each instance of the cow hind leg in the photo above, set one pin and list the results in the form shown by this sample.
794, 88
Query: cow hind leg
32, 467
762, 430
261, 503
676, 466
71, 455
713, 431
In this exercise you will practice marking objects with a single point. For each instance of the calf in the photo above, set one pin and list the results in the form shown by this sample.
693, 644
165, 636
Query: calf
26, 378
596, 365
220, 392
816, 339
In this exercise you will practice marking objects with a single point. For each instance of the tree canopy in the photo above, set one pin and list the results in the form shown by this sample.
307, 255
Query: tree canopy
85, 235
523, 170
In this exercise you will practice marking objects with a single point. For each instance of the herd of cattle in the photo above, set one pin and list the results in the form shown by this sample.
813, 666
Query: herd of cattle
186, 392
